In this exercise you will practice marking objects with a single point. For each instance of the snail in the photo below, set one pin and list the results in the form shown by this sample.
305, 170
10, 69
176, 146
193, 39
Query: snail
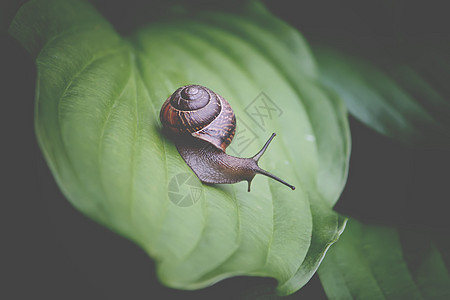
203, 124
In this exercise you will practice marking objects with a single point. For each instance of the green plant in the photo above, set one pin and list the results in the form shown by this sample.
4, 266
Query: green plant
97, 105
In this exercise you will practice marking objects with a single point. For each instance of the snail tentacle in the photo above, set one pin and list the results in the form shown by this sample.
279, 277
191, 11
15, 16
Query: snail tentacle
256, 158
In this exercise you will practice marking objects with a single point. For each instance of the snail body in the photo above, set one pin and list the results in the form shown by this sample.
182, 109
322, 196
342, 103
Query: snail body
203, 124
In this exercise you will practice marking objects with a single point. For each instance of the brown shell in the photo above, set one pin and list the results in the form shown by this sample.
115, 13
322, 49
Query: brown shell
198, 111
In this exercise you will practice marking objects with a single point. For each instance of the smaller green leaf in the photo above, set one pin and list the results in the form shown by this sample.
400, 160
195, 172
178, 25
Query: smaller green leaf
380, 262
399, 101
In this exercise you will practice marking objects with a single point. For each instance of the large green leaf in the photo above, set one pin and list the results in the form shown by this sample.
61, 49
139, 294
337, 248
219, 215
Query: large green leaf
97, 121
380, 262
405, 98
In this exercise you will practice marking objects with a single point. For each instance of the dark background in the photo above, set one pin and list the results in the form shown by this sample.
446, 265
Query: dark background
49, 250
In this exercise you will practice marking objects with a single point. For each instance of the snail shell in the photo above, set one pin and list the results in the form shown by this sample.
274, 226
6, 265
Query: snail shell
196, 110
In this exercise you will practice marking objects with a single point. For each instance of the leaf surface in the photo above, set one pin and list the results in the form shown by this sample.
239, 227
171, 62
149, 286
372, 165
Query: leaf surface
97, 121
404, 98
380, 262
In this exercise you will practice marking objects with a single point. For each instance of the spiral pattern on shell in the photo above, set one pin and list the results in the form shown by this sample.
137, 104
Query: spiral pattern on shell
198, 111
